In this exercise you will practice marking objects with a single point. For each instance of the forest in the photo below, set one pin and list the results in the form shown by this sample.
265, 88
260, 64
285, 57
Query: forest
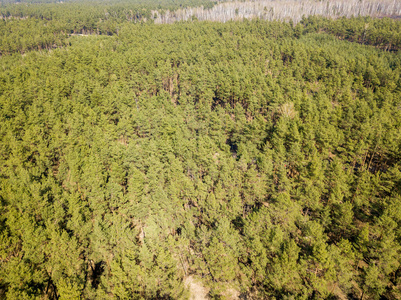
245, 159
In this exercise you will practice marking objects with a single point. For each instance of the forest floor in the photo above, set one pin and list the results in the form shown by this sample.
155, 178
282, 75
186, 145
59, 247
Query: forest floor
197, 290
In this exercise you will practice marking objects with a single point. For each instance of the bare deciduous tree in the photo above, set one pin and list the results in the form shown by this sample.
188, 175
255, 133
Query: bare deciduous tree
283, 10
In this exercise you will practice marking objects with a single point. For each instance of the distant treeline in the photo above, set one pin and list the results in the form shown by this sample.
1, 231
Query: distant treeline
283, 10
27, 26
382, 33
33, 33
91, 13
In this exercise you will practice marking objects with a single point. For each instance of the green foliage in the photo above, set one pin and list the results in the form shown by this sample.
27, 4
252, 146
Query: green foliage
260, 158
383, 33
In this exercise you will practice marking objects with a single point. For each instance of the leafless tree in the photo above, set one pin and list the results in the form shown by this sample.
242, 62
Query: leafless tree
283, 10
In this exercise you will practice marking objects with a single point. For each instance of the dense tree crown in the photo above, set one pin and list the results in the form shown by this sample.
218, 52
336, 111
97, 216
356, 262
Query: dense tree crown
255, 158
